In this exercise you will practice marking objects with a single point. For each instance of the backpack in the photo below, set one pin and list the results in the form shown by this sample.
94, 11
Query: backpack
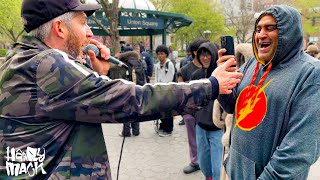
135, 71
175, 77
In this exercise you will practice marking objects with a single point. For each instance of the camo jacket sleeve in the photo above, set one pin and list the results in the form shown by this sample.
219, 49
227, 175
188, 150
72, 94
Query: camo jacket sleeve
47, 98
68, 90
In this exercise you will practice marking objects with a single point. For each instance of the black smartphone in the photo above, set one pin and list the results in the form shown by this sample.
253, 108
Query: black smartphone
228, 44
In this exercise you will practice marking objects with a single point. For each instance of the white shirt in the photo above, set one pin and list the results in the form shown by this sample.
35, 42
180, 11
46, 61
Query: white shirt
163, 75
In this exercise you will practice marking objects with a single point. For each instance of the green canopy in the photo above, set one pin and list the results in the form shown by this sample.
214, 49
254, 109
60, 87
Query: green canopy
136, 22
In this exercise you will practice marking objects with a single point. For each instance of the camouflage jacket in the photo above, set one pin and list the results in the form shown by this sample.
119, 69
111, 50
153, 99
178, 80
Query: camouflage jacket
50, 101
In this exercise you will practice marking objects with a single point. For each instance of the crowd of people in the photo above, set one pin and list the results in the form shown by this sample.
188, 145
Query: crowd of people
256, 120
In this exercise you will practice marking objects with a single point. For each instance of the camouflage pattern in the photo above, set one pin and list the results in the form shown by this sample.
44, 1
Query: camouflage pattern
49, 102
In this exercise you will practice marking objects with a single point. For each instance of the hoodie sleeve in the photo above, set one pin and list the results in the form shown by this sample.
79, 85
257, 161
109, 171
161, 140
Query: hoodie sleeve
68, 91
227, 102
300, 147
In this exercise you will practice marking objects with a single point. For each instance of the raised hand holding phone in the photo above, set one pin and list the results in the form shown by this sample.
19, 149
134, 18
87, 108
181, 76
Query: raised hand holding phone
228, 44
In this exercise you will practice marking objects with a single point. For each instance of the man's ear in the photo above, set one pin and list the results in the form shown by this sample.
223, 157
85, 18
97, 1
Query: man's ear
59, 29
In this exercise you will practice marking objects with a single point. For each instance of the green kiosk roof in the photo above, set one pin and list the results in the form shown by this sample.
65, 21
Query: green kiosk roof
136, 22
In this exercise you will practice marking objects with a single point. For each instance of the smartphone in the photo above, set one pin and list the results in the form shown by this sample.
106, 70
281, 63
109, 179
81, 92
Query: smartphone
228, 44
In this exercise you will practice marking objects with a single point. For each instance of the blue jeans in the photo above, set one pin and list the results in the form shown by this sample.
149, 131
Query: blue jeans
209, 152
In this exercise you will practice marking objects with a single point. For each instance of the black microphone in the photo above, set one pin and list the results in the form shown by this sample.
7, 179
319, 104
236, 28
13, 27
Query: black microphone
113, 60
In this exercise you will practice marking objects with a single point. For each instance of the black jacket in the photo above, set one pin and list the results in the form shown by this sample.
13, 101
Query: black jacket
204, 116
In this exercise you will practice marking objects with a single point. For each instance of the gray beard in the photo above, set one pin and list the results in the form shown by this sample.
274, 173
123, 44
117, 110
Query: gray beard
73, 46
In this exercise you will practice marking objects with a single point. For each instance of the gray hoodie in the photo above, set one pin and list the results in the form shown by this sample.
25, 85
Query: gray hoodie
275, 132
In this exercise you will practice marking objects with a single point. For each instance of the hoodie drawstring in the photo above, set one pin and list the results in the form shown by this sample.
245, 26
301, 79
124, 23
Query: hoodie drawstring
264, 76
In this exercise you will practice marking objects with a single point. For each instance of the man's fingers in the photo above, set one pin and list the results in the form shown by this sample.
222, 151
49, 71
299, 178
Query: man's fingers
236, 75
221, 51
230, 81
220, 61
223, 59
93, 41
104, 51
92, 55
231, 69
229, 63
234, 81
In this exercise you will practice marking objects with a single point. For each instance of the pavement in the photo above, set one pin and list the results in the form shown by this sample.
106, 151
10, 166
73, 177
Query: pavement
149, 156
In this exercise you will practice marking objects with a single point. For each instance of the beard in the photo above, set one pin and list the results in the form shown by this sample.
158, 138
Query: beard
73, 46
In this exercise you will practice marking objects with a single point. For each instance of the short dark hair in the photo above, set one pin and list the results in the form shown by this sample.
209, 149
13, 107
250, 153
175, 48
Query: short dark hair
195, 45
162, 48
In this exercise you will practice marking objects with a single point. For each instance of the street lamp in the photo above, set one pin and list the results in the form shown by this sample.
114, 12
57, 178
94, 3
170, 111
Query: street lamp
207, 34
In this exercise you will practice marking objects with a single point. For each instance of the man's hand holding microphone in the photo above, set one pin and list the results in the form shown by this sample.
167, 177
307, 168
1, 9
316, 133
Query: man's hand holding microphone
102, 53
101, 65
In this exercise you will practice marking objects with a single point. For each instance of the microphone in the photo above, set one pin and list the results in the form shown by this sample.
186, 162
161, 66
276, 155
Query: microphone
96, 51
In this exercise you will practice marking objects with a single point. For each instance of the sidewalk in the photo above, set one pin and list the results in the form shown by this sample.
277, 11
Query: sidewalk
149, 156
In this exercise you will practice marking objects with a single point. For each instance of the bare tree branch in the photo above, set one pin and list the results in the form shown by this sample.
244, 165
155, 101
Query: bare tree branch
99, 22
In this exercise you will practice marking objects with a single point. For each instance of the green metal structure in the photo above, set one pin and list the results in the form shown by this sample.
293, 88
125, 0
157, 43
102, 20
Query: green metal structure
136, 22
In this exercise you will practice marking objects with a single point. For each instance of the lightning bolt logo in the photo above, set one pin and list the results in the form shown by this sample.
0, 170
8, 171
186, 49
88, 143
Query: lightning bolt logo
251, 107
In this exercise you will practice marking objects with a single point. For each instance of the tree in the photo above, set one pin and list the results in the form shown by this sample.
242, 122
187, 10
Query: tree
111, 13
206, 16
240, 18
161, 5
10, 22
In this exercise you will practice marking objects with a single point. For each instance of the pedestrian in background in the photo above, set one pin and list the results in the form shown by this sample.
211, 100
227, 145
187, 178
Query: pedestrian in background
164, 73
142, 48
147, 59
312, 50
187, 59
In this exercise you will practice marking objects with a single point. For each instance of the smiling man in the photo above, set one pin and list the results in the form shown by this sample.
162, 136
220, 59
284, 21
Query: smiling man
275, 132
53, 103
266, 38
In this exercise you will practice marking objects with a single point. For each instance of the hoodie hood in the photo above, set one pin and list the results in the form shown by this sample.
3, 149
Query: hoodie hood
289, 25
213, 50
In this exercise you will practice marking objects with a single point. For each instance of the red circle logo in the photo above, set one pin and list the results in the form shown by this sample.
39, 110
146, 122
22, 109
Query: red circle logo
251, 108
